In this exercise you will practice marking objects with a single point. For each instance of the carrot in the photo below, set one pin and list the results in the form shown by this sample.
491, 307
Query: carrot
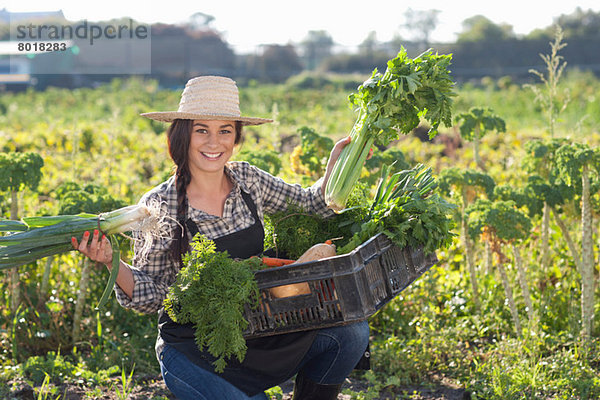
329, 242
276, 262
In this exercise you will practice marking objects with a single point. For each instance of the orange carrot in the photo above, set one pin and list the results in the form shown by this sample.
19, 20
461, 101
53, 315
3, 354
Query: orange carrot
276, 262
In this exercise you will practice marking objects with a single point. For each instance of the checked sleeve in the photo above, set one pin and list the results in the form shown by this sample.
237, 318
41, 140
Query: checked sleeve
152, 275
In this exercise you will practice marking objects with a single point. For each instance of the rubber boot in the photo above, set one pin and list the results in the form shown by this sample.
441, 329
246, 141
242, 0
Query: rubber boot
305, 389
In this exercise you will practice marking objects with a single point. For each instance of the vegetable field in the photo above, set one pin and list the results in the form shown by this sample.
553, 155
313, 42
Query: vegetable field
511, 311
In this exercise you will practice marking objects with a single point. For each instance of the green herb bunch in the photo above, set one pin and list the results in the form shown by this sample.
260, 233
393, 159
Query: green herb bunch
295, 230
210, 292
407, 210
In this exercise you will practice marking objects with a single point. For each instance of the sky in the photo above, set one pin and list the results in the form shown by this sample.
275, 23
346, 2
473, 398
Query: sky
246, 24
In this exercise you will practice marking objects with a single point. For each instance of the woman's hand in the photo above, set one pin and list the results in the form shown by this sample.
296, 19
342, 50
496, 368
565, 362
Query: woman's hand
335, 154
99, 249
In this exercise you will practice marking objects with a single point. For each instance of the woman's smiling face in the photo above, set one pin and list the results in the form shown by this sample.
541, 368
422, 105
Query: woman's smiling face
211, 145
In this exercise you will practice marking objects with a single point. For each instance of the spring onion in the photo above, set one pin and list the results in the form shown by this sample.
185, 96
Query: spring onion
40, 237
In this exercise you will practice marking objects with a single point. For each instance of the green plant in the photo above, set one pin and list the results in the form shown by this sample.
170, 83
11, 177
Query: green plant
74, 199
465, 186
548, 96
310, 157
267, 160
475, 124
407, 210
274, 393
392, 157
539, 162
499, 223
126, 384
576, 164
19, 171
211, 291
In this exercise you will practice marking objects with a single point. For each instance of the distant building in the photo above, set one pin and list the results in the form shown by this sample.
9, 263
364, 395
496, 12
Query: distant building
8, 17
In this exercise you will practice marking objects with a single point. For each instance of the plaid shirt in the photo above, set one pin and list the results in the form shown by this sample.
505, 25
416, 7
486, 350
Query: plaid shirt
153, 277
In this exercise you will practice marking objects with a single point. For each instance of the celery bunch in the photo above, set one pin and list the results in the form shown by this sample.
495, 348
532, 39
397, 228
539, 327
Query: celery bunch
410, 89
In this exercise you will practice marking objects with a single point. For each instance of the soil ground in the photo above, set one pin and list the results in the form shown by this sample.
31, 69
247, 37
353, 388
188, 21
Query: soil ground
152, 387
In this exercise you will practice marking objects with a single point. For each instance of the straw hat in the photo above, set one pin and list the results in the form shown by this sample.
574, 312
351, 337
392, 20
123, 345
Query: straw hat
208, 98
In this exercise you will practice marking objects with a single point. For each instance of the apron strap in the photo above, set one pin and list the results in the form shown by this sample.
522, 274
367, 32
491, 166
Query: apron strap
251, 205
192, 227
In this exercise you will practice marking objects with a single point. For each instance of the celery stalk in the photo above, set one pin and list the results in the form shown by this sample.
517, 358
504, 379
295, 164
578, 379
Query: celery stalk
389, 104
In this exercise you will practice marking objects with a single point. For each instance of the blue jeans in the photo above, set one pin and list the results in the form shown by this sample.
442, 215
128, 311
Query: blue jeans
332, 356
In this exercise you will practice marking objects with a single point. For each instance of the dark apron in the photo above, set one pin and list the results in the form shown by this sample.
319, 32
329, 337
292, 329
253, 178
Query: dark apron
269, 360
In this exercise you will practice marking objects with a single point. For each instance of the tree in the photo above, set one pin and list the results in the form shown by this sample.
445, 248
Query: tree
580, 24
200, 21
421, 23
480, 28
369, 45
316, 47
278, 62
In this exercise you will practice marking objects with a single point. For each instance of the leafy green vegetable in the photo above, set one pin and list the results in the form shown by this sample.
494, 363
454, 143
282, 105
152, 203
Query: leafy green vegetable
294, 230
475, 124
478, 121
267, 160
393, 157
405, 207
410, 89
210, 292
522, 196
20, 170
502, 219
91, 198
407, 211
310, 157
455, 180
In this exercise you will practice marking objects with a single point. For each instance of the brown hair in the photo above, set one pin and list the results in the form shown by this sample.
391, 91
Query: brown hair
178, 140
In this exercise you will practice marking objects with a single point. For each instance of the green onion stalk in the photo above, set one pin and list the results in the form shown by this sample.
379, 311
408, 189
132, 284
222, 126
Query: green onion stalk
389, 104
34, 238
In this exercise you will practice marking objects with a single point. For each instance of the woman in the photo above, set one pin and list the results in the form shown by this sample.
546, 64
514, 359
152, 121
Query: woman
225, 201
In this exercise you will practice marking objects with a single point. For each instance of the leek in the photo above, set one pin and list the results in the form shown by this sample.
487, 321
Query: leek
410, 89
40, 237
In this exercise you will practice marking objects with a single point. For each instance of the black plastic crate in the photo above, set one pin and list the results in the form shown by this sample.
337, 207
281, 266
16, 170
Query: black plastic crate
343, 289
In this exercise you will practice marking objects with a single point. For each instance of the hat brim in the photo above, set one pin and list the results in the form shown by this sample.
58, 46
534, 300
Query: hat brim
169, 116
